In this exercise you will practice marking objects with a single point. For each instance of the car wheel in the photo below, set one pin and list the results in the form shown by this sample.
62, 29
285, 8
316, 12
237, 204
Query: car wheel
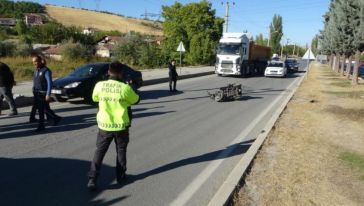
88, 98
219, 75
60, 99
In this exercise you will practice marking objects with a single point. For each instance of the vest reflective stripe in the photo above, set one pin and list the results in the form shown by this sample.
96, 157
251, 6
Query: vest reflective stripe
114, 98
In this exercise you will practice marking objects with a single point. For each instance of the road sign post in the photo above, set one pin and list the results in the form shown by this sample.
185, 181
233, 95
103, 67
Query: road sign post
181, 49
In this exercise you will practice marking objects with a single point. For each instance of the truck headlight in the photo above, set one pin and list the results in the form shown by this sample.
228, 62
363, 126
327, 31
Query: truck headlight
72, 85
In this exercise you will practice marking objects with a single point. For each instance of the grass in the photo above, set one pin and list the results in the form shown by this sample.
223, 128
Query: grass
355, 161
23, 68
302, 161
349, 113
101, 21
347, 94
341, 84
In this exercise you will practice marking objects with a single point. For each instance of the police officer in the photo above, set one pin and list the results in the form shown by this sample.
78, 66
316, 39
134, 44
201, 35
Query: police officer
42, 85
114, 98
172, 75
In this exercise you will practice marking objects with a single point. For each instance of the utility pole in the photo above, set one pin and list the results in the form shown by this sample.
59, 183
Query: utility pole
294, 49
270, 36
227, 8
287, 47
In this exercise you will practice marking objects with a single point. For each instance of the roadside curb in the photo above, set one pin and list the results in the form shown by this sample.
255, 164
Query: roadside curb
23, 101
225, 192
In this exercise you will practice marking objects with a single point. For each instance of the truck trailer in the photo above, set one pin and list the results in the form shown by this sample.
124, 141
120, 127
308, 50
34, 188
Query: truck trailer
237, 55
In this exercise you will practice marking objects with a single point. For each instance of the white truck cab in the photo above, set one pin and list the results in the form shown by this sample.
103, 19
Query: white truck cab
232, 52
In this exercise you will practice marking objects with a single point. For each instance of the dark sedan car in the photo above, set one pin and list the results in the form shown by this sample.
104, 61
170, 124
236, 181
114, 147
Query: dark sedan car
81, 82
291, 64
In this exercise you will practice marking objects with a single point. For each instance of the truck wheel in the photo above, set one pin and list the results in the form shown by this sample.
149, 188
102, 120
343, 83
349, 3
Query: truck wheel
243, 73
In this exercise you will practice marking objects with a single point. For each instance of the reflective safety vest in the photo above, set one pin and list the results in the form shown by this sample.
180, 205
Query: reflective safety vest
114, 98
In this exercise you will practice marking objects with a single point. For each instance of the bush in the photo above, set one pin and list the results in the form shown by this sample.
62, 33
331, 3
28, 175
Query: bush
6, 49
71, 51
23, 50
137, 52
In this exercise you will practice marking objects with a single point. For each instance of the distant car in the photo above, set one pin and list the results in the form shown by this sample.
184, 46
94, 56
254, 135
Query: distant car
81, 82
291, 64
275, 69
361, 70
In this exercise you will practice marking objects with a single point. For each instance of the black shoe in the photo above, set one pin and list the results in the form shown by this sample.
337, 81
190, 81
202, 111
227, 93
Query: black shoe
91, 185
39, 129
120, 178
175, 90
56, 121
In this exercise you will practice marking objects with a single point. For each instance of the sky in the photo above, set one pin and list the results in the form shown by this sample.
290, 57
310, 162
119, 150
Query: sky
302, 19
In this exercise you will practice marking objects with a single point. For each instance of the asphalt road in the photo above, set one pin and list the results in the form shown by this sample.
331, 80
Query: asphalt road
183, 146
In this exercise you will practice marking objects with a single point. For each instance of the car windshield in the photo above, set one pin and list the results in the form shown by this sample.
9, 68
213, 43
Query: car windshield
275, 64
290, 61
87, 71
229, 49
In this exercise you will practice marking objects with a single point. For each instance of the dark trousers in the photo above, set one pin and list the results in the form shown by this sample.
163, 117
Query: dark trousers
48, 111
43, 108
5, 92
174, 80
104, 139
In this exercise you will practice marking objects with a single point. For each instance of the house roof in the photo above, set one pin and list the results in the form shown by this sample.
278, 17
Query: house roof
53, 49
105, 47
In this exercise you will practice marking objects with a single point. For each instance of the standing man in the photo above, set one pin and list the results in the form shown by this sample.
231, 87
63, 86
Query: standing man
42, 85
172, 75
6, 85
114, 98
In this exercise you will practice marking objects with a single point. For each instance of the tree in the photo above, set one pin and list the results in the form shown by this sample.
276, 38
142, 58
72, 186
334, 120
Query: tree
71, 51
196, 25
21, 27
17, 9
343, 32
276, 33
260, 40
314, 44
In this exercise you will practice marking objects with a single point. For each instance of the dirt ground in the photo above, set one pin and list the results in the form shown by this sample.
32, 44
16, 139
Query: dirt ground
302, 160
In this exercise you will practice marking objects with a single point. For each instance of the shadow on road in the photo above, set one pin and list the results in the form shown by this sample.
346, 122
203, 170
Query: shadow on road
67, 124
156, 94
50, 181
232, 150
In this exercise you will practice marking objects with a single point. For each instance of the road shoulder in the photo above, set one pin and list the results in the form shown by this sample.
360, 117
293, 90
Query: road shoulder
308, 156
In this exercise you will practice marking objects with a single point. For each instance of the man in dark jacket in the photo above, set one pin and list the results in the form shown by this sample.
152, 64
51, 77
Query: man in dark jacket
172, 75
42, 85
6, 85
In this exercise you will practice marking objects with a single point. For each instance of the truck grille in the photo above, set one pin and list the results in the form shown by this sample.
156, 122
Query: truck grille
227, 64
227, 70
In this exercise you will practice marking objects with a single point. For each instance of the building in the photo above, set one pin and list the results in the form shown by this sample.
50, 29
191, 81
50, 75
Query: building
7, 22
32, 19
89, 30
54, 52
104, 50
105, 45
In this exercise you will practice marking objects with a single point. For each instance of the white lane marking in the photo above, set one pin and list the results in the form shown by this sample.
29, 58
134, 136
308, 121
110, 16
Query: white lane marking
196, 183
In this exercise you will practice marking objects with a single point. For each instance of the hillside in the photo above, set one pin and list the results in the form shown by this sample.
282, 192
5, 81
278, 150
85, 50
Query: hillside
101, 21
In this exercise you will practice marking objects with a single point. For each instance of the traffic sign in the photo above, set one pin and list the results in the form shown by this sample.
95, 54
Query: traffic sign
181, 48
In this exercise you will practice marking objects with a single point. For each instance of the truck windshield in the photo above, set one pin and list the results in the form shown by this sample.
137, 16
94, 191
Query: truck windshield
229, 49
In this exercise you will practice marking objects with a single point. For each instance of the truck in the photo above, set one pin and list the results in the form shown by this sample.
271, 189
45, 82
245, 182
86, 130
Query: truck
237, 55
